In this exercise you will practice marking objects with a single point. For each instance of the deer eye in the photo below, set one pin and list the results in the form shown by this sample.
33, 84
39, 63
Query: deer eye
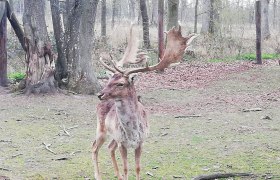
120, 85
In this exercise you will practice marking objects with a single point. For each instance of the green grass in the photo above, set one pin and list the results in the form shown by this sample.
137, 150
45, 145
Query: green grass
252, 56
247, 57
16, 76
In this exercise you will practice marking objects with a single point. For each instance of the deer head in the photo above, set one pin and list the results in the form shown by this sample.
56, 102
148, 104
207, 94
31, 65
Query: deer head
119, 86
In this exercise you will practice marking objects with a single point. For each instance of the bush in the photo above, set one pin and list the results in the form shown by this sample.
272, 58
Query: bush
16, 77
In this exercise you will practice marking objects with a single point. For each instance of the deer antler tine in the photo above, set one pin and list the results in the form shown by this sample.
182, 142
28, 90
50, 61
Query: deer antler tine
179, 29
106, 66
116, 67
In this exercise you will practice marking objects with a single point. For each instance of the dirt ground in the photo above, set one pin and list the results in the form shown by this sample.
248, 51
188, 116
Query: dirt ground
204, 118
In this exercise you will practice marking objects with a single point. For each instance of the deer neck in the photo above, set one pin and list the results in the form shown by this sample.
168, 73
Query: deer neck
127, 107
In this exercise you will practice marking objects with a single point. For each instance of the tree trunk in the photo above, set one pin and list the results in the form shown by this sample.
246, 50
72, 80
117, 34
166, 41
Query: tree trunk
89, 83
16, 25
114, 13
258, 17
61, 64
160, 29
172, 13
211, 18
275, 14
40, 59
132, 9
103, 18
80, 45
195, 16
264, 19
206, 16
154, 16
145, 22
3, 44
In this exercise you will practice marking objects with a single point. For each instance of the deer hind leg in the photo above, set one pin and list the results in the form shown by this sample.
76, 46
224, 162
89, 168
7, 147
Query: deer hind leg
112, 147
100, 139
123, 152
138, 152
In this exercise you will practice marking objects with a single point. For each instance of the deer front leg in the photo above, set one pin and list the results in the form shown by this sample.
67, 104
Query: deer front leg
112, 147
138, 152
123, 152
100, 139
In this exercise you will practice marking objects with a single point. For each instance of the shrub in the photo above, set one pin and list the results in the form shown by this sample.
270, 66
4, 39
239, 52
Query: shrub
16, 76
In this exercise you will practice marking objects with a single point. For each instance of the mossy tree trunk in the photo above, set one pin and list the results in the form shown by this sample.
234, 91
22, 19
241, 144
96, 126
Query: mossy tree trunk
40, 59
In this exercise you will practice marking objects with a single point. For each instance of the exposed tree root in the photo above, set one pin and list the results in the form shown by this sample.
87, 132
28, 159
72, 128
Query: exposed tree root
219, 176
48, 85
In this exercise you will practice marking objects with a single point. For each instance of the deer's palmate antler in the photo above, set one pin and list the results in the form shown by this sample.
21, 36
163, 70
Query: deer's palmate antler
119, 113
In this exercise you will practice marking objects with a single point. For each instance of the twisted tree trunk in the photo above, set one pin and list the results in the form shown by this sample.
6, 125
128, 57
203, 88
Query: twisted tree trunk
40, 58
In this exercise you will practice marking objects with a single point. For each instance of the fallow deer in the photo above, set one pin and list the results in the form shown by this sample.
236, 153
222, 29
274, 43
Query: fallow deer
120, 114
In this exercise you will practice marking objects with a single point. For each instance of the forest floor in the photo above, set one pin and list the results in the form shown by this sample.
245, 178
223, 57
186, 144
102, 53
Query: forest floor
204, 118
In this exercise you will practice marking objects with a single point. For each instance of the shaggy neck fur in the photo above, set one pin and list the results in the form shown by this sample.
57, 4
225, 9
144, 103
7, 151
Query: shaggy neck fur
129, 119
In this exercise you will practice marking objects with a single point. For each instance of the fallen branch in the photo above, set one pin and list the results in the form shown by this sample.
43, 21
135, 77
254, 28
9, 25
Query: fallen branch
219, 176
4, 169
74, 153
62, 159
252, 110
66, 132
16, 155
47, 147
188, 116
9, 141
73, 127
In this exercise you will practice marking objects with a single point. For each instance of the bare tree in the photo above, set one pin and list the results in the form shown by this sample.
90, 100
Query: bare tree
81, 77
40, 59
160, 29
275, 13
211, 18
195, 16
154, 15
103, 18
3, 44
114, 12
145, 23
206, 16
61, 64
132, 9
264, 19
75, 67
258, 17
172, 13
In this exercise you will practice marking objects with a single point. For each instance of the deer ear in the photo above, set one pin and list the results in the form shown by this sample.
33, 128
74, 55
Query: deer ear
132, 78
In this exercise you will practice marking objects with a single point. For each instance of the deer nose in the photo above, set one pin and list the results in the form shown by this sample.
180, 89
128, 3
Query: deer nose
99, 95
